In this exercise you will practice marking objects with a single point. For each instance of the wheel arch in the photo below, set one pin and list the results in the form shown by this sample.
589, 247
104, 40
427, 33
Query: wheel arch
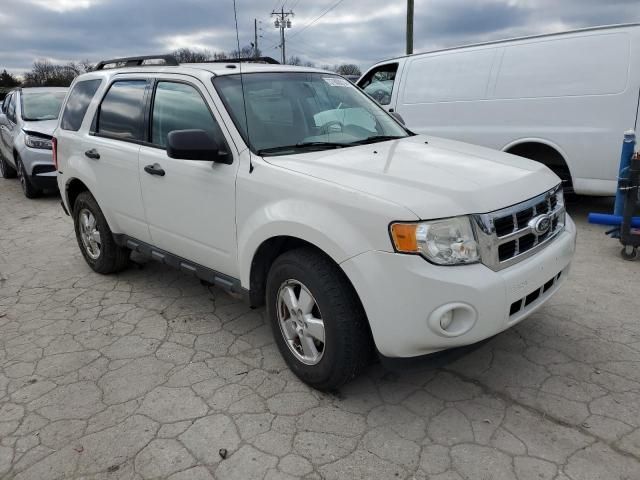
543, 151
267, 252
73, 188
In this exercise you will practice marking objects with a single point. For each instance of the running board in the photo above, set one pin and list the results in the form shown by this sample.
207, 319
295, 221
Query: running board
225, 282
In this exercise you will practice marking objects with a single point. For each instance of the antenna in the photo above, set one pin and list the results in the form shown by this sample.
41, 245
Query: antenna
244, 102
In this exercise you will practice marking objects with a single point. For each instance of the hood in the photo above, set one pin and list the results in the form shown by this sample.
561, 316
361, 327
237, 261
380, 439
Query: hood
45, 127
432, 177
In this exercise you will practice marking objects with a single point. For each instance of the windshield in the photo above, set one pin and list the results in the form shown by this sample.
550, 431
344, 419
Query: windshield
41, 105
293, 111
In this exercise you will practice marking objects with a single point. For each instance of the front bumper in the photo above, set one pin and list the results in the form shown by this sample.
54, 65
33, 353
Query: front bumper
402, 294
39, 166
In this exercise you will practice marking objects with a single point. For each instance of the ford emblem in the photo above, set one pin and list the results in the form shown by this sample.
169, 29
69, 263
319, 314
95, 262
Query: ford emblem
540, 224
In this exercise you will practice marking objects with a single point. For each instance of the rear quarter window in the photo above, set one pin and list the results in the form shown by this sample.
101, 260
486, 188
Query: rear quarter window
121, 113
78, 103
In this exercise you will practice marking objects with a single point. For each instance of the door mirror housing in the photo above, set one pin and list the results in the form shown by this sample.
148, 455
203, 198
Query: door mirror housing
398, 117
195, 145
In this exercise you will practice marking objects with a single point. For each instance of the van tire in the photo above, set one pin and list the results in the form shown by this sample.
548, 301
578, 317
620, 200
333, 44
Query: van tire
112, 257
347, 347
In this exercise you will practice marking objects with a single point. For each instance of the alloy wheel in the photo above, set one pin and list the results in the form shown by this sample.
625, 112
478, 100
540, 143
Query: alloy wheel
89, 233
301, 322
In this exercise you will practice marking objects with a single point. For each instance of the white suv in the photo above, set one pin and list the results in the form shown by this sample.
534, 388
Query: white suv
289, 186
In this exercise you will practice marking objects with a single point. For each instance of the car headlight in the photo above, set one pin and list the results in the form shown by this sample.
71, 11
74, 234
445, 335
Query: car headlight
560, 196
37, 142
449, 241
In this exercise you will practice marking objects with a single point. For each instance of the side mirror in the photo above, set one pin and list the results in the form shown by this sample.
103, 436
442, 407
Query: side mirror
195, 145
398, 117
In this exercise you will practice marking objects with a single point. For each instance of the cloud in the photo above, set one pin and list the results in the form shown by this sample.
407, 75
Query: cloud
356, 31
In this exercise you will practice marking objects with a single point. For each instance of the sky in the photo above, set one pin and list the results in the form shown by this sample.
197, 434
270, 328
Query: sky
325, 32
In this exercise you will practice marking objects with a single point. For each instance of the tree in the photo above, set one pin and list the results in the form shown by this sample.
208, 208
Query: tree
348, 69
8, 80
44, 73
294, 60
246, 52
86, 65
187, 55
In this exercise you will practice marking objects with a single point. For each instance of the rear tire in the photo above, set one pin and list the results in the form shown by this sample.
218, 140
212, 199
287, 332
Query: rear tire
346, 347
95, 238
29, 190
6, 170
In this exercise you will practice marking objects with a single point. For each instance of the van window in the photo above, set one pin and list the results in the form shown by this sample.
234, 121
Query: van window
587, 65
449, 77
178, 106
378, 83
121, 113
78, 103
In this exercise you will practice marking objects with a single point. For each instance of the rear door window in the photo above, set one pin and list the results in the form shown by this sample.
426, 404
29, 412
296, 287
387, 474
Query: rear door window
121, 113
378, 83
78, 103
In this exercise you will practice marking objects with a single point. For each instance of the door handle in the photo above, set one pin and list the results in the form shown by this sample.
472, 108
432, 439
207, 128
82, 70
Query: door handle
154, 169
93, 153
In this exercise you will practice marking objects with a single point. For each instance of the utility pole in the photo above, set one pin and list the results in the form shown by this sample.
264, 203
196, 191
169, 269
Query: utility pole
282, 21
255, 43
409, 27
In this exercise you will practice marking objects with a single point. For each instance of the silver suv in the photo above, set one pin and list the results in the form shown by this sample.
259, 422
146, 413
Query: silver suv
28, 117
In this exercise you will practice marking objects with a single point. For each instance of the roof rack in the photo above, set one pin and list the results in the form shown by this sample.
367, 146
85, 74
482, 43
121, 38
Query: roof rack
269, 60
169, 60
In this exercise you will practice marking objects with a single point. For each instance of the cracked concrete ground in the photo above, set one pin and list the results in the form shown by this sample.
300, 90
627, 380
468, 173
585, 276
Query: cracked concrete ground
148, 374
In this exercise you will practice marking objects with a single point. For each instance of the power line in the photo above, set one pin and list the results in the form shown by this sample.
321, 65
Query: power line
317, 18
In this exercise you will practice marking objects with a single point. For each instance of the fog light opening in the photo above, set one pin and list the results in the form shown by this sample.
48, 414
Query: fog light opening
446, 319
452, 320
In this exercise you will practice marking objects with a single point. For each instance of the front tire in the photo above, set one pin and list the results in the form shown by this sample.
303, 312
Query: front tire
29, 190
95, 238
317, 320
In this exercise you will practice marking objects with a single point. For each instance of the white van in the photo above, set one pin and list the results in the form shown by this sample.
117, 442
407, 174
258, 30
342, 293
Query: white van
561, 99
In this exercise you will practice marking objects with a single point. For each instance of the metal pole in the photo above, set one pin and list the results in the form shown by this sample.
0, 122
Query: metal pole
255, 44
628, 146
282, 25
409, 27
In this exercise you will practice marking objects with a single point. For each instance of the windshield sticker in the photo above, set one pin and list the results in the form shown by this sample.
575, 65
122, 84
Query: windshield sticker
336, 82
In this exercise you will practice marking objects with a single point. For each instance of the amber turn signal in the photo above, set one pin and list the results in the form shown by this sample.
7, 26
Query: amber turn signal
404, 237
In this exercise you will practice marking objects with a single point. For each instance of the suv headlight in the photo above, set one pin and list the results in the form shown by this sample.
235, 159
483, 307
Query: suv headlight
37, 142
449, 241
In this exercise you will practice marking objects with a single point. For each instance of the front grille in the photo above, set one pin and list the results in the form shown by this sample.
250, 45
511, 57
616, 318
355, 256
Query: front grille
512, 234
523, 303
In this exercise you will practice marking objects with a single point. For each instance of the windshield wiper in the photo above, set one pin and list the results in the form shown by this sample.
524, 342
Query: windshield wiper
377, 138
301, 146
